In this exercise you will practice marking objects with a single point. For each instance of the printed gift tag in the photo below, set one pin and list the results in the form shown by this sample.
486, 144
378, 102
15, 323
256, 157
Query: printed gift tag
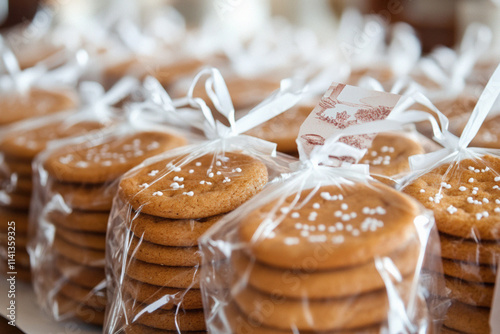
343, 106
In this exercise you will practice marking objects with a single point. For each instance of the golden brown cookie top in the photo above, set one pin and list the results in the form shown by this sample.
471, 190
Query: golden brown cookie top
488, 135
25, 144
206, 186
389, 154
88, 163
459, 106
37, 102
330, 227
284, 128
465, 197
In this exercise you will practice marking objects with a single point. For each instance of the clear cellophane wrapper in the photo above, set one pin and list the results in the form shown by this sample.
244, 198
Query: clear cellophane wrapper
459, 184
303, 256
74, 184
153, 262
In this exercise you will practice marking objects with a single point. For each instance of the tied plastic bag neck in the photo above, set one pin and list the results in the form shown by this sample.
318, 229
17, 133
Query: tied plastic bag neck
279, 101
17, 80
454, 146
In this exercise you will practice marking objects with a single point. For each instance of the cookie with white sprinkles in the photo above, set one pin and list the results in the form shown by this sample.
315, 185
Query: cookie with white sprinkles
203, 187
465, 197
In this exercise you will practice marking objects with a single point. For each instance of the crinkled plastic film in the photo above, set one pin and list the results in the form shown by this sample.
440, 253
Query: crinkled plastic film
75, 181
325, 250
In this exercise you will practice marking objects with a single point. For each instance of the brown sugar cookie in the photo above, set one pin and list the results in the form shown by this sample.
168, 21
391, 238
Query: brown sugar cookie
87, 240
244, 92
21, 240
321, 315
470, 271
86, 256
141, 329
164, 255
68, 306
474, 294
168, 74
488, 135
27, 143
15, 201
467, 250
90, 297
467, 319
284, 128
108, 161
35, 103
85, 197
19, 217
381, 72
389, 153
170, 232
151, 316
170, 298
240, 324
88, 277
464, 196
173, 277
347, 225
80, 220
20, 167
204, 187
24, 185
322, 284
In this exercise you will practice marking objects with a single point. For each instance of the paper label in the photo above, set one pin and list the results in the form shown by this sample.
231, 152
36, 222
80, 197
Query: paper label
343, 106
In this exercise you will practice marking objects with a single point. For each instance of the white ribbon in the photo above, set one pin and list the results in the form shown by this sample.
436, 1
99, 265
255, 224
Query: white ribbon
456, 147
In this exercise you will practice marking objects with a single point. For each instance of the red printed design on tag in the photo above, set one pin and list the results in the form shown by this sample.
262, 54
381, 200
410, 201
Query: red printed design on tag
343, 106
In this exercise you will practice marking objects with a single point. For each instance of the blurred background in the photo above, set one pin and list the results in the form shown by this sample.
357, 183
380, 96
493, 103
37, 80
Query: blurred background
436, 22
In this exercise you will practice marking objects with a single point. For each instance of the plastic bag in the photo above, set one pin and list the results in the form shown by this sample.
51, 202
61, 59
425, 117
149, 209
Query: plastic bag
323, 250
164, 205
460, 184
75, 182
20, 144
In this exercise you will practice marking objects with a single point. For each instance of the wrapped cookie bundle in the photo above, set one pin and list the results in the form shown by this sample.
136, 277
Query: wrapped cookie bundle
75, 181
460, 185
326, 249
165, 204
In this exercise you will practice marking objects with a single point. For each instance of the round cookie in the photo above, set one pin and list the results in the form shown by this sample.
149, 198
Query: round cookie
87, 240
323, 315
21, 240
470, 271
240, 324
171, 298
88, 277
86, 256
467, 250
164, 255
24, 185
141, 329
203, 187
35, 103
21, 168
88, 297
337, 227
80, 220
15, 200
464, 196
381, 72
67, 306
474, 294
25, 144
151, 316
489, 134
88, 163
389, 153
85, 197
322, 284
284, 128
170, 232
20, 217
154, 274
467, 319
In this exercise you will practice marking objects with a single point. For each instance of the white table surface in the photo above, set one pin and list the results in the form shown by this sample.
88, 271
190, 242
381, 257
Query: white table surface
31, 319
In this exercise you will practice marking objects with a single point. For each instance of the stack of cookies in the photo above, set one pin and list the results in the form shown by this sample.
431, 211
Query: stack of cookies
465, 198
328, 259
168, 206
73, 218
19, 147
